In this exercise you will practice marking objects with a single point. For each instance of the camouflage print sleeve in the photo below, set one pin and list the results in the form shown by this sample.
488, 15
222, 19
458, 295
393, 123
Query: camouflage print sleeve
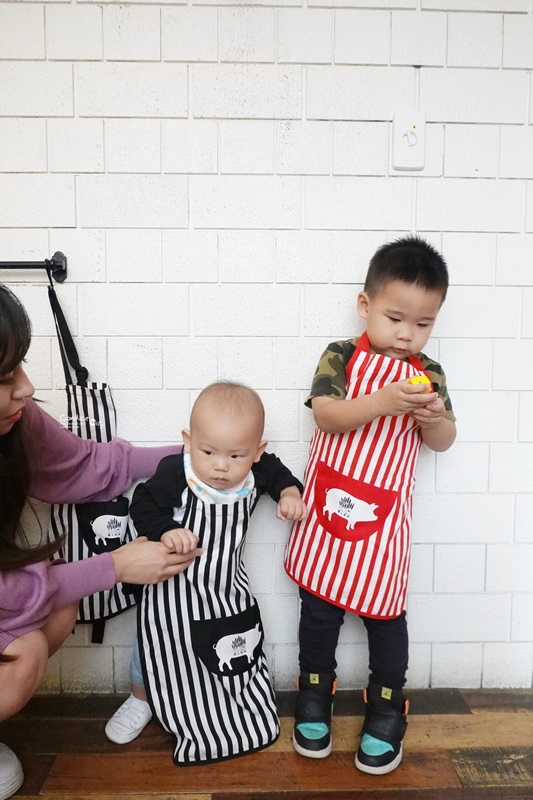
438, 379
330, 376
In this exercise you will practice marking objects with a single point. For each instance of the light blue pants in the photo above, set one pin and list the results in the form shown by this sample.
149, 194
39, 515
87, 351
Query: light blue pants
136, 673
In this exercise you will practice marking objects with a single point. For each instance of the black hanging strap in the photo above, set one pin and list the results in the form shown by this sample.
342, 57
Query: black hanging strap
97, 636
69, 354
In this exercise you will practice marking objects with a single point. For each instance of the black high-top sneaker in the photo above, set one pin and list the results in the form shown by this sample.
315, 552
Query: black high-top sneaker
311, 736
380, 749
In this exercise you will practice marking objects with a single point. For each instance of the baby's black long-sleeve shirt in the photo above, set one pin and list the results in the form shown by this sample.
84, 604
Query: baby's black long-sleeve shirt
153, 503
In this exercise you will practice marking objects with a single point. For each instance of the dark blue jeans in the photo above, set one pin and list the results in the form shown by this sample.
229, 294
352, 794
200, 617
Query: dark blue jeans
388, 642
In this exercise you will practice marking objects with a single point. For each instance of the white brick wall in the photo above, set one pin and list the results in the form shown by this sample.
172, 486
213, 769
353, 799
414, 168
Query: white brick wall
218, 176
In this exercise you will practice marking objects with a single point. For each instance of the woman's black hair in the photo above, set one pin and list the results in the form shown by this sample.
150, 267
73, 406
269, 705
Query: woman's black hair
15, 473
15, 331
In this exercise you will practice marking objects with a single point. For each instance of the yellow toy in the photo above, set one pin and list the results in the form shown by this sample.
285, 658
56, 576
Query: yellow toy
423, 379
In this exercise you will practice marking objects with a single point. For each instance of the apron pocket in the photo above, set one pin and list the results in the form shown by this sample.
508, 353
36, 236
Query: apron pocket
229, 645
350, 509
103, 525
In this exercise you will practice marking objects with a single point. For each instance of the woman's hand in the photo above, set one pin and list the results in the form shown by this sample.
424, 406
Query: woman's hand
146, 562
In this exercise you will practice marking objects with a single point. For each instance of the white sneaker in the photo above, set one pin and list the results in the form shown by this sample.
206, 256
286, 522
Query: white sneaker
128, 721
11, 775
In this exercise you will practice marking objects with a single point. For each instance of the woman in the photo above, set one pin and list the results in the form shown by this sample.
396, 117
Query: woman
39, 458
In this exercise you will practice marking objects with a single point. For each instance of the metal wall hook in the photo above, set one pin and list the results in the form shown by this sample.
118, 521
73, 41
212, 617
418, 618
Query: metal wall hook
57, 265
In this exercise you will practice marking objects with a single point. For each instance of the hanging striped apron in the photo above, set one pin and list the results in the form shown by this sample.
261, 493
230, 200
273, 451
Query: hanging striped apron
201, 643
353, 549
96, 527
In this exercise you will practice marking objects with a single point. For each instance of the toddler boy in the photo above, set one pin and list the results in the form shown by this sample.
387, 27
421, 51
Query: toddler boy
352, 551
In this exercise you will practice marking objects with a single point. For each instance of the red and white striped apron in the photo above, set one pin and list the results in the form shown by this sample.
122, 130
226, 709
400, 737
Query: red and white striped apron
353, 549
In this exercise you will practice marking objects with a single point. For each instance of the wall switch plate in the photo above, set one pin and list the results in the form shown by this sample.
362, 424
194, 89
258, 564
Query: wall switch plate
409, 140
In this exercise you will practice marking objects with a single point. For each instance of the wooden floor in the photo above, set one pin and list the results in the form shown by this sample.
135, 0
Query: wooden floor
459, 746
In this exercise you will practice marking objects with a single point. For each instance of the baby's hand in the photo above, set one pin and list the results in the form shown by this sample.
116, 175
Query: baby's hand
291, 505
430, 414
180, 541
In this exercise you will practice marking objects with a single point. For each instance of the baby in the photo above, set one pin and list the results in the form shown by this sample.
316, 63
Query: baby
201, 638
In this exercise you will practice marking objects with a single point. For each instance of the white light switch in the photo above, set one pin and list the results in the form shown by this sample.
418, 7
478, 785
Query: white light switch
408, 140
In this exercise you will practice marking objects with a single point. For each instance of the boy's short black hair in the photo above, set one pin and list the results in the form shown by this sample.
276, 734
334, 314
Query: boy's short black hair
411, 260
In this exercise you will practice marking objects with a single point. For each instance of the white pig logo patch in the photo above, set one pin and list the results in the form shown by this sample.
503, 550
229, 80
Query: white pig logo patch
108, 527
350, 508
235, 645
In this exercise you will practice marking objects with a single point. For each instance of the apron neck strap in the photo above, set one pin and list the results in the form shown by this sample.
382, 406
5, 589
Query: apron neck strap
364, 345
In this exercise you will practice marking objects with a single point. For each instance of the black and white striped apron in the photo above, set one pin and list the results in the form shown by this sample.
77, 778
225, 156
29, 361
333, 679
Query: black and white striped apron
201, 644
97, 527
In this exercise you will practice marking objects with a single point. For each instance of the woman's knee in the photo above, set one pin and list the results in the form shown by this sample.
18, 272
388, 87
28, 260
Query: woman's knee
21, 677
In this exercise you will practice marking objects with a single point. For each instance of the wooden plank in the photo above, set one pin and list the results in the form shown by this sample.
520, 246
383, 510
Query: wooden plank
354, 794
145, 796
264, 772
488, 729
77, 736
85, 706
483, 755
436, 701
509, 766
496, 793
483, 729
36, 770
499, 700
351, 704
347, 703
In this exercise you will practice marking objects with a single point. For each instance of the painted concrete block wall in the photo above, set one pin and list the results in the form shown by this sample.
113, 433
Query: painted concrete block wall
218, 176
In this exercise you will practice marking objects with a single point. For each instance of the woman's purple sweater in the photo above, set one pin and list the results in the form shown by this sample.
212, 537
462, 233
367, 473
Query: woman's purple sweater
67, 469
